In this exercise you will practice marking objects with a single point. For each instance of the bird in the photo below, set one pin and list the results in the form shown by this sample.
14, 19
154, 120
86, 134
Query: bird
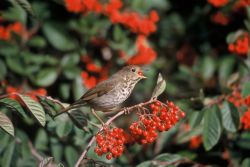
109, 95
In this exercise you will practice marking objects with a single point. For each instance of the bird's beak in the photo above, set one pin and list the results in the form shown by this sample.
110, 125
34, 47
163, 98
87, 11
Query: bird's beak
140, 73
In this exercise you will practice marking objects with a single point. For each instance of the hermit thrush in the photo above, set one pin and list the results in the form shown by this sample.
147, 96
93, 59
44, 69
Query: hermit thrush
111, 93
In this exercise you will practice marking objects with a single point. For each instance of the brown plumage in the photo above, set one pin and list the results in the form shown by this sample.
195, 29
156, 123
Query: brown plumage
111, 93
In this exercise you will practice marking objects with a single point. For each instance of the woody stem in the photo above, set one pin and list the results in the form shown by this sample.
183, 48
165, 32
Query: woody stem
95, 114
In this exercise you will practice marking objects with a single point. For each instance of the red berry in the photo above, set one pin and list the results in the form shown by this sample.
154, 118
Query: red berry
145, 133
182, 114
158, 103
109, 156
152, 106
104, 149
143, 141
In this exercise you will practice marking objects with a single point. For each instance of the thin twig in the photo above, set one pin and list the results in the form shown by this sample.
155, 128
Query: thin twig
34, 152
109, 121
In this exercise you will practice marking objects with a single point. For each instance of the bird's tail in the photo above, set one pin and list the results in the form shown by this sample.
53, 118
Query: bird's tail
79, 103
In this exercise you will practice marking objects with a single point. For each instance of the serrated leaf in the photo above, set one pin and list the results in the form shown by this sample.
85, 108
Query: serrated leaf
6, 124
230, 117
46, 162
159, 88
51, 106
14, 105
166, 157
34, 107
212, 128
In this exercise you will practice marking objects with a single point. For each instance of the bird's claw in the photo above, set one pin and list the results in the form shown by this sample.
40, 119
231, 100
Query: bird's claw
126, 111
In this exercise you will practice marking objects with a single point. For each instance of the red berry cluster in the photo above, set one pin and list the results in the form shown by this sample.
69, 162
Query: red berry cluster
241, 45
5, 31
110, 142
245, 124
162, 118
157, 117
31, 93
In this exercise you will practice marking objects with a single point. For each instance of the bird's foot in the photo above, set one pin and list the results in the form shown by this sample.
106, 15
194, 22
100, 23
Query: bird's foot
126, 111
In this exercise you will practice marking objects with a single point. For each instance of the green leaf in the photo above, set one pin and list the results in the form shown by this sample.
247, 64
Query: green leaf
196, 118
3, 70
35, 108
246, 162
159, 88
208, 67
78, 88
8, 155
71, 156
26, 6
186, 136
16, 64
41, 140
8, 49
145, 164
246, 89
243, 141
79, 118
70, 60
14, 105
231, 38
37, 41
64, 90
166, 157
15, 12
212, 128
225, 69
45, 77
57, 150
118, 33
71, 72
230, 117
46, 162
59, 37
6, 124
63, 129
51, 105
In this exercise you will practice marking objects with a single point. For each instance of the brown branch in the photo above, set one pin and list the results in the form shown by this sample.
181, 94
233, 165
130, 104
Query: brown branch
109, 121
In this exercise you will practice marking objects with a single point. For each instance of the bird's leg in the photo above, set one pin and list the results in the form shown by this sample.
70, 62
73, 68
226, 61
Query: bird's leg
95, 114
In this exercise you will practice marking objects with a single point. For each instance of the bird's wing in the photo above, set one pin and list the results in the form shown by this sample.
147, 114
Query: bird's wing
99, 90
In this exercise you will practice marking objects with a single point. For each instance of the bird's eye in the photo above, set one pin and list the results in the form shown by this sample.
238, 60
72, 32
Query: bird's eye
133, 70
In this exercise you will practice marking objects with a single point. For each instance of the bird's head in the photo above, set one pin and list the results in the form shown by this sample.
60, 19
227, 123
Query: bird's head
133, 72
